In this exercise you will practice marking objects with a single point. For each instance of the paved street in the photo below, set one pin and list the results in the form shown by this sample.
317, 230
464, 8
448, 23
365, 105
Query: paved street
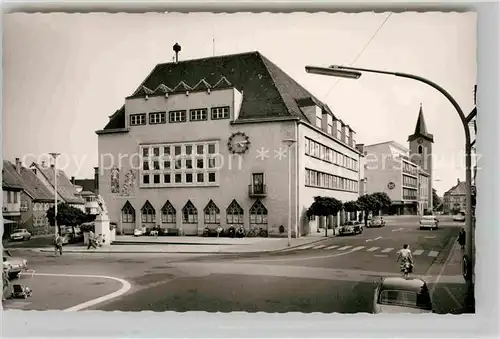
335, 275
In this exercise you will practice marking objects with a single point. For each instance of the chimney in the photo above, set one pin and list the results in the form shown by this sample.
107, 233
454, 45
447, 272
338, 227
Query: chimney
18, 166
73, 180
177, 49
361, 148
458, 181
96, 180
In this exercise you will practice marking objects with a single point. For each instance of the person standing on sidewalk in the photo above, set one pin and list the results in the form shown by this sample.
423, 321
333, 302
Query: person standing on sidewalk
58, 244
461, 238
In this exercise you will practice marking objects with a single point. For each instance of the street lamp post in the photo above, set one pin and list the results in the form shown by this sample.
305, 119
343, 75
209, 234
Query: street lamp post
55, 155
289, 143
355, 73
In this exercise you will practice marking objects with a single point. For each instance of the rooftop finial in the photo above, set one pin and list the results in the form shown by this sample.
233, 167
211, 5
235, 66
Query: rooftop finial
177, 49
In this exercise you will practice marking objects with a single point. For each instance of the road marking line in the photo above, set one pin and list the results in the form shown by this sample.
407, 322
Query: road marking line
428, 237
418, 252
344, 248
452, 296
296, 259
396, 230
358, 248
433, 254
372, 249
367, 240
124, 289
387, 250
381, 255
331, 247
318, 247
304, 247
433, 288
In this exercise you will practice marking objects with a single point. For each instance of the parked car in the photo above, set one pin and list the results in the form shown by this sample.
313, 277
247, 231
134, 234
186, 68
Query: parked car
429, 221
12, 265
459, 217
376, 222
351, 227
400, 295
20, 234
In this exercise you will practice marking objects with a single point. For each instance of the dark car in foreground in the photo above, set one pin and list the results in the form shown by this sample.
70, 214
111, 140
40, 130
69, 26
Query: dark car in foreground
351, 227
402, 295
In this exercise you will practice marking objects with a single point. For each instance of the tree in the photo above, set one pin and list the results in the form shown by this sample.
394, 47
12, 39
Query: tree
66, 215
352, 206
436, 200
382, 201
323, 207
367, 204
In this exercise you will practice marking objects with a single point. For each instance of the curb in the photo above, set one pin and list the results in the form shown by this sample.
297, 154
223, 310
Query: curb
48, 250
121, 243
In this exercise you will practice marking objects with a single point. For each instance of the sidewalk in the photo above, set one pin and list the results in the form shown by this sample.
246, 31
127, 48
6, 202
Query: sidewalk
192, 245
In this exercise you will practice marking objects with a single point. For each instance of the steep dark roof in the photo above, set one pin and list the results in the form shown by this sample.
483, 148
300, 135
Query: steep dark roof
10, 179
268, 91
421, 128
86, 184
64, 186
34, 187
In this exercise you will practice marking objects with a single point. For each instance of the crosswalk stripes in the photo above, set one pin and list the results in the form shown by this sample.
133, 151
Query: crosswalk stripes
351, 248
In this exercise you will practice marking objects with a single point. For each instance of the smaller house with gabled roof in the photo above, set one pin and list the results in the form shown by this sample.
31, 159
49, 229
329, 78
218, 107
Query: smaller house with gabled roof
454, 198
11, 189
66, 191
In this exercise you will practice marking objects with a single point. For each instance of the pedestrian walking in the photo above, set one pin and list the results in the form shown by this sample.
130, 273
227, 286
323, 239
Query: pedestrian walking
461, 238
92, 241
58, 244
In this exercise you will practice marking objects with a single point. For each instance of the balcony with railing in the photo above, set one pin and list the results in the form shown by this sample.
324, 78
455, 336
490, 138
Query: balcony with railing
257, 191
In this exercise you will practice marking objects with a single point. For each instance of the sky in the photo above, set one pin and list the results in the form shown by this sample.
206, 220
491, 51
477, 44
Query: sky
65, 74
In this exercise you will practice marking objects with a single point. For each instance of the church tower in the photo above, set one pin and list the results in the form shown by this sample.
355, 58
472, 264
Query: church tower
420, 143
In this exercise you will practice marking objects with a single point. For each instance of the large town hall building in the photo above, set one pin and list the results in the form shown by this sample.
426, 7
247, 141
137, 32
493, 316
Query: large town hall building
205, 142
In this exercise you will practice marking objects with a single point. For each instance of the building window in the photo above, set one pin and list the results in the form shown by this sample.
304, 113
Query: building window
220, 113
137, 119
189, 213
128, 213
148, 213
212, 213
145, 151
168, 214
318, 122
258, 213
186, 165
177, 116
419, 149
198, 114
234, 213
329, 129
157, 118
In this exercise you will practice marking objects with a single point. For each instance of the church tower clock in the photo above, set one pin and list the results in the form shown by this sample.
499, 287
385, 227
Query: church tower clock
420, 143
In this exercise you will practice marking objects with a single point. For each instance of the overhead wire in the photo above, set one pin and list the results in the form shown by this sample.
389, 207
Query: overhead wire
361, 52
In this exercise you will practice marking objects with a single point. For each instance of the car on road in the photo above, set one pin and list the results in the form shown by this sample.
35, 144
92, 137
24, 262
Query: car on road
12, 265
376, 222
429, 221
351, 227
20, 234
400, 295
459, 217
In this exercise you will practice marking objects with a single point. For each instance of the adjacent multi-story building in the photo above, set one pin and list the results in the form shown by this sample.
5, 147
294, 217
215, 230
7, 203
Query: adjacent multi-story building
404, 174
221, 141
454, 199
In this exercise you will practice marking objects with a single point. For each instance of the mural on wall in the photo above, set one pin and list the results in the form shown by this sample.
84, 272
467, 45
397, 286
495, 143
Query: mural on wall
129, 183
115, 180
